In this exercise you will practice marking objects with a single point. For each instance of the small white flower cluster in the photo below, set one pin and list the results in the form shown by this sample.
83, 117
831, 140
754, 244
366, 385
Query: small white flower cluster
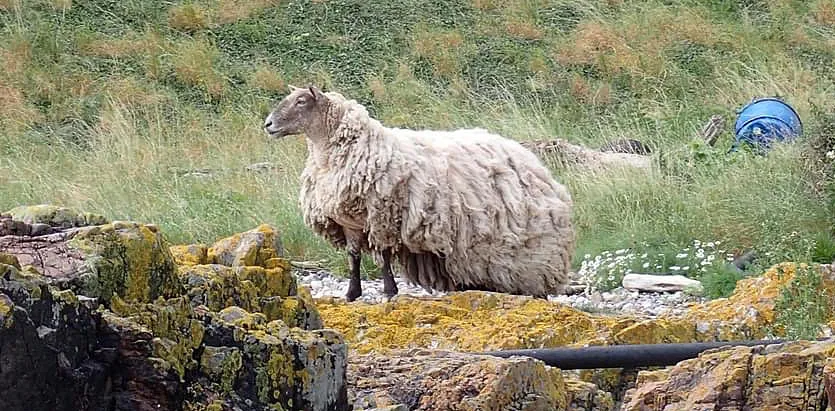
606, 270
830, 155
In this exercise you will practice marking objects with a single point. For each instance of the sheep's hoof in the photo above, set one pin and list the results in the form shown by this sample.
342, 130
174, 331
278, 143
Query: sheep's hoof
352, 294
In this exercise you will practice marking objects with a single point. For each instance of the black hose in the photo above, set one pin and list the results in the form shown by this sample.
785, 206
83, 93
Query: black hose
621, 356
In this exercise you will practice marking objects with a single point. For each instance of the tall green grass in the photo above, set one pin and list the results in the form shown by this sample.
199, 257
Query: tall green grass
108, 106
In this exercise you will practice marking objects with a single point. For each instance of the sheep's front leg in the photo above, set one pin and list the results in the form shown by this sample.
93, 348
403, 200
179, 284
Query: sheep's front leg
354, 255
389, 286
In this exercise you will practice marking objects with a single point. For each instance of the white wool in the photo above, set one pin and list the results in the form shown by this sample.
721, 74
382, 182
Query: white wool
463, 209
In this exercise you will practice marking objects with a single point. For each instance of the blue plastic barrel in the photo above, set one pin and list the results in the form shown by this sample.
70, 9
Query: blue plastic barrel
766, 120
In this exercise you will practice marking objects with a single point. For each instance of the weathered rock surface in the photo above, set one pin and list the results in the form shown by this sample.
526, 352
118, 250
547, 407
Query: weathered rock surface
254, 247
124, 258
444, 380
480, 321
101, 318
787, 376
659, 283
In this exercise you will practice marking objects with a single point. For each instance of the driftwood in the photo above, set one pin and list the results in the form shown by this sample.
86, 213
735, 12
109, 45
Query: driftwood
580, 157
712, 129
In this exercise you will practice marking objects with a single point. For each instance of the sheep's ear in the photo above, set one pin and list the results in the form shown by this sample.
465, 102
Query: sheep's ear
317, 94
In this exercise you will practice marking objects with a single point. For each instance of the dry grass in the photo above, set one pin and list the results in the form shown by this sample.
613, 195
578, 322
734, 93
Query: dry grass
267, 78
10, 5
113, 48
230, 11
636, 44
824, 12
15, 112
194, 61
523, 29
445, 50
188, 17
486, 5
15, 59
132, 93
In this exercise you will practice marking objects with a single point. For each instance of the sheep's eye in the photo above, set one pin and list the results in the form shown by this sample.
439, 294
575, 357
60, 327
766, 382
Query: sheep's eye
301, 101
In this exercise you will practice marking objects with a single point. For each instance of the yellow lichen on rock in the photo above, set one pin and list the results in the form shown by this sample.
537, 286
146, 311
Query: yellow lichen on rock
657, 331
477, 321
176, 331
777, 377
467, 321
250, 248
129, 259
750, 309
192, 254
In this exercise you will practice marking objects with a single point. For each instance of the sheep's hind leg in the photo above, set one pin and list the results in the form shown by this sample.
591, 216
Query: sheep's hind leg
389, 286
355, 286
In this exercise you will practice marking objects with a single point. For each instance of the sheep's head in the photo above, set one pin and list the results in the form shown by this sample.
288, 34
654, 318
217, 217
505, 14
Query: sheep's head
296, 113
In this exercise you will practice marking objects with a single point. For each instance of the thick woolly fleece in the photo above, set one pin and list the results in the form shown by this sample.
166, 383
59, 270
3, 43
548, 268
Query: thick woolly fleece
464, 209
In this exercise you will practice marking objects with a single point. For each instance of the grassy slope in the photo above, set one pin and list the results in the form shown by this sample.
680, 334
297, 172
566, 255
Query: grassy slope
104, 104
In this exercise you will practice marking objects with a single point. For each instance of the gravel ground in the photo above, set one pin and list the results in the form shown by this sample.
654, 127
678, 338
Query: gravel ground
617, 301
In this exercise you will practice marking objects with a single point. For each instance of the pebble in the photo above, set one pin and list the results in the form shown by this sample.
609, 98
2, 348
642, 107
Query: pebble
618, 301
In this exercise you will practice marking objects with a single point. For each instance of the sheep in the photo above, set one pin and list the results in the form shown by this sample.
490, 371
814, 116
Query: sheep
458, 210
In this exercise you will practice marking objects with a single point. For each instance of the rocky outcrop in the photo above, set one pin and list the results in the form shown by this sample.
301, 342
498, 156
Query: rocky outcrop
789, 376
422, 379
123, 258
459, 321
101, 317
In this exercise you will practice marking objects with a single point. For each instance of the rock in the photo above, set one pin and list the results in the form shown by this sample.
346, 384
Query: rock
194, 254
749, 311
271, 291
445, 380
788, 376
274, 364
250, 248
163, 337
54, 216
126, 259
585, 396
263, 166
9, 259
659, 283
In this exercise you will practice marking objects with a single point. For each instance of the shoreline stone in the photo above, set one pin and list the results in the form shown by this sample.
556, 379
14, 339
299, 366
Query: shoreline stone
103, 317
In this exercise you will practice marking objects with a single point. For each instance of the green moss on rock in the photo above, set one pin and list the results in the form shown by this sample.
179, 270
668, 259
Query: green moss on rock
6, 311
292, 368
9, 259
128, 259
55, 216
174, 325
27, 277
271, 291
222, 363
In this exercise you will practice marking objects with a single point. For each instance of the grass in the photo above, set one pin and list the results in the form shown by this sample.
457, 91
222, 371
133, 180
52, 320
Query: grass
802, 306
107, 106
